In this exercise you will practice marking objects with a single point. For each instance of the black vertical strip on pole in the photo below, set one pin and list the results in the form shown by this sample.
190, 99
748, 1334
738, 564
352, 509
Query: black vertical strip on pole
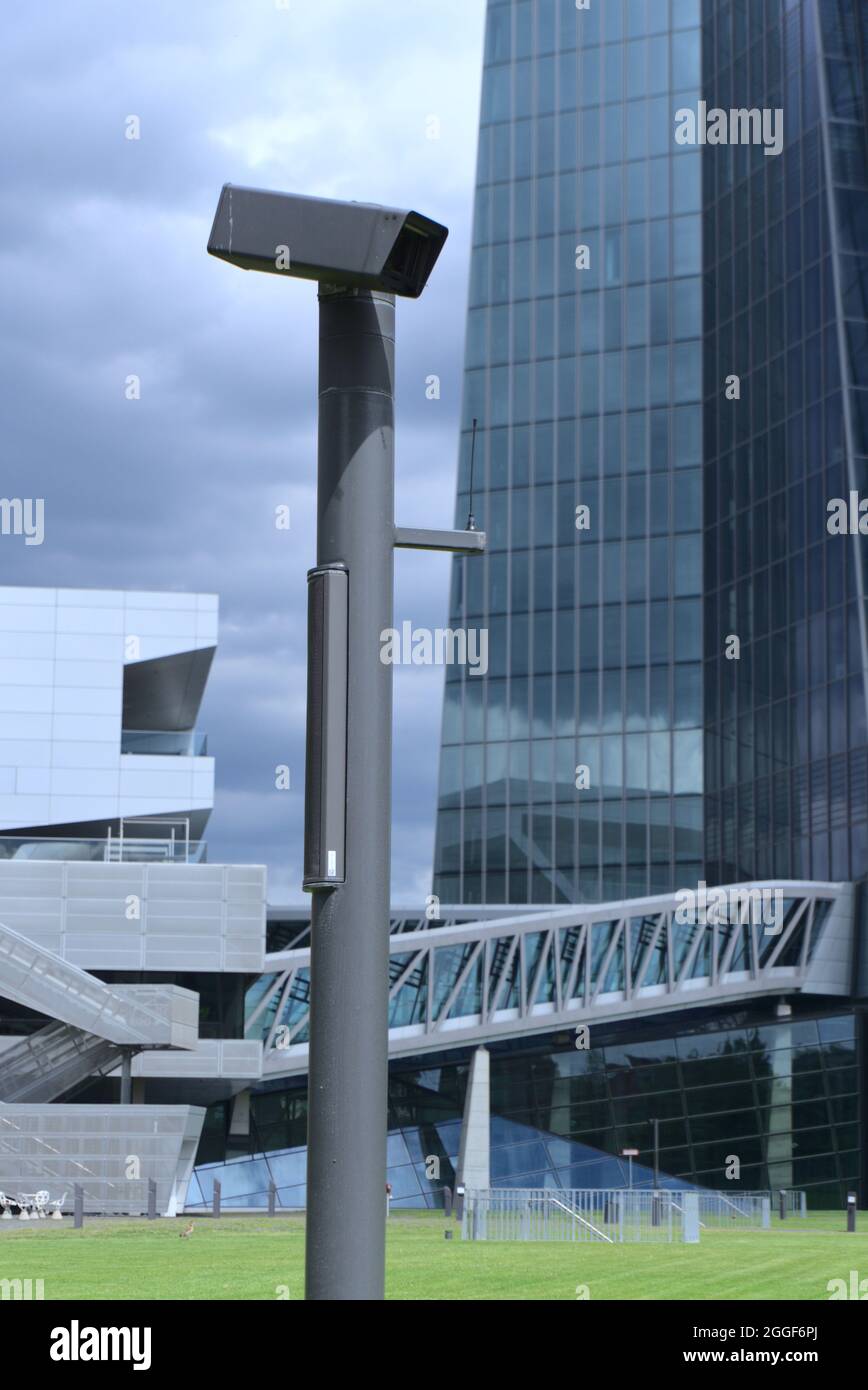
325, 779
152, 1200
851, 1213
782, 1204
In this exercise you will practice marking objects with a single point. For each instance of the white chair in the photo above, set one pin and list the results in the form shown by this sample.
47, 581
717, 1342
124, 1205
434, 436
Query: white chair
57, 1214
40, 1203
25, 1204
6, 1204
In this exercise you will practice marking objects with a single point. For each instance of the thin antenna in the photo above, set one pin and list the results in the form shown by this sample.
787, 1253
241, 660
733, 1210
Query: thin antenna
471, 519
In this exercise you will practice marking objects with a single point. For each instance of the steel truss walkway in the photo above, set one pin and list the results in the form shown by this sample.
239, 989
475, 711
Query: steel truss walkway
527, 971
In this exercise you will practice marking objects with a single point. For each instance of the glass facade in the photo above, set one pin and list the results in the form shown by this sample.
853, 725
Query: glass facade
779, 1095
583, 368
786, 306
520, 1157
618, 279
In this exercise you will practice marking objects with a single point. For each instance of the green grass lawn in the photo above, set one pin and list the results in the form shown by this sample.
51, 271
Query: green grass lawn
258, 1258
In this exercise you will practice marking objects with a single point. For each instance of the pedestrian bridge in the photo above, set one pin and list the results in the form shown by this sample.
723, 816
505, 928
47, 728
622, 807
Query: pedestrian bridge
482, 974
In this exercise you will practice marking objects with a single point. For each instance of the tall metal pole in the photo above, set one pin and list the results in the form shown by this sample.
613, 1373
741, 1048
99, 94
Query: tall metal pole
348, 1079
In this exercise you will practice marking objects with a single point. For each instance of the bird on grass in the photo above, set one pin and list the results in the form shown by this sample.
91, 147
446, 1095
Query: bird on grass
187, 1231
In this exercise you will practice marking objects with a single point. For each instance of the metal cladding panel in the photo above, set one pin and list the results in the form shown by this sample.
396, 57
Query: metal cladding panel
105, 916
831, 967
241, 958
178, 1008
56, 1146
212, 1058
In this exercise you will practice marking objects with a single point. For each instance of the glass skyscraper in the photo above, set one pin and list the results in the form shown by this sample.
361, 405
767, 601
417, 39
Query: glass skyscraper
620, 743
786, 308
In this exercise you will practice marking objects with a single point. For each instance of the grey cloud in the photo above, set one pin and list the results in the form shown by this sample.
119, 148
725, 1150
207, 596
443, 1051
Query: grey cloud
104, 274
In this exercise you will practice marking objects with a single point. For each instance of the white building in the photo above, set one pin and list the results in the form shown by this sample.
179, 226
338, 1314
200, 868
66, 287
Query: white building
99, 695
124, 956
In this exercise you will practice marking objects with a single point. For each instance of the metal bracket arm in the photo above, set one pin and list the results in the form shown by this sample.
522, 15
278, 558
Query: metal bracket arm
460, 542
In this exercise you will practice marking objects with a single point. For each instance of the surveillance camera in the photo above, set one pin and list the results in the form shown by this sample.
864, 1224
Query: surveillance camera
359, 245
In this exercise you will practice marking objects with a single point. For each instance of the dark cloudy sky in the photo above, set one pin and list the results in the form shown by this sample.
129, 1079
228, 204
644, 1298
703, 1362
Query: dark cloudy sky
104, 275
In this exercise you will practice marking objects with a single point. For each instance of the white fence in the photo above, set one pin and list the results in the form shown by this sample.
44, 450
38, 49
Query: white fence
607, 1215
795, 1200
724, 1211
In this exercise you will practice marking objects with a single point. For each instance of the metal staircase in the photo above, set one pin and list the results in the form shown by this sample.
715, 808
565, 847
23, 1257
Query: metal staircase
128, 1015
91, 1025
52, 1062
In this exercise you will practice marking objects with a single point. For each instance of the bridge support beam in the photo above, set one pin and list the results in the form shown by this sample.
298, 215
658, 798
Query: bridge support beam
474, 1155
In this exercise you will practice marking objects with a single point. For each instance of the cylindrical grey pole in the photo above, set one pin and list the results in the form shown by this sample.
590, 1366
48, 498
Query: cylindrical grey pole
77, 1206
851, 1212
216, 1197
347, 1105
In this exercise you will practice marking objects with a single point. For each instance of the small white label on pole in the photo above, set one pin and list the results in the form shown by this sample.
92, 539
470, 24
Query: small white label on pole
333, 863
629, 1153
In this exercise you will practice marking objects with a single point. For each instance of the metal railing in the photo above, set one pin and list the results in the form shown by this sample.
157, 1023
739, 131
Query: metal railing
603, 1215
111, 850
725, 1211
795, 1200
